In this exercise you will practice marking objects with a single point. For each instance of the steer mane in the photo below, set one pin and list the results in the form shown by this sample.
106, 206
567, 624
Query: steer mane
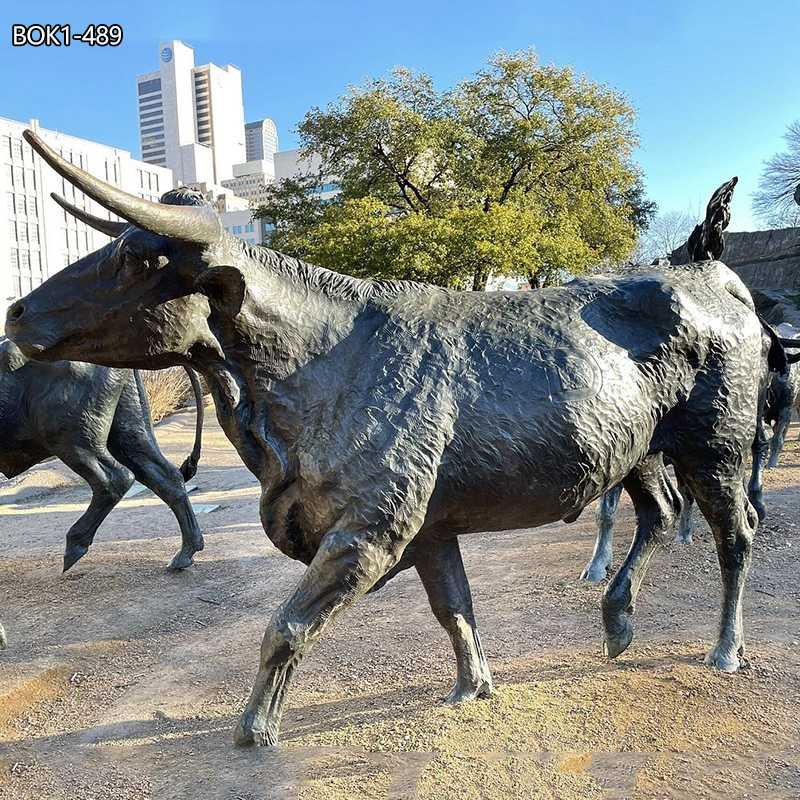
328, 281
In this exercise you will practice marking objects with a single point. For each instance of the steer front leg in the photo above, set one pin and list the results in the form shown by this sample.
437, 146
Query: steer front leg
345, 567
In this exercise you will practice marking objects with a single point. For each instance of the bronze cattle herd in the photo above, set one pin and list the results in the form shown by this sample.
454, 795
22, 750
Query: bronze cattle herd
384, 419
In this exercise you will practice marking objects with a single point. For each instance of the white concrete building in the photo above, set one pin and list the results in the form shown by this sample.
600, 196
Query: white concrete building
251, 180
223, 199
242, 225
191, 119
37, 237
261, 140
289, 164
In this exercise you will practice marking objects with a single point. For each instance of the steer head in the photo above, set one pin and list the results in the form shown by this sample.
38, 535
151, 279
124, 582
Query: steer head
138, 301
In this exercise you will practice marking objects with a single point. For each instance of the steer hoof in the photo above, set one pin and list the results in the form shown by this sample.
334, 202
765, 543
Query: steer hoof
73, 554
683, 538
463, 693
619, 638
726, 658
594, 573
3, 640
246, 735
183, 560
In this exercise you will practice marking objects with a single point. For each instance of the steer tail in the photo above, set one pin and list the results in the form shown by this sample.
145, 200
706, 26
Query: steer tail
777, 360
189, 467
794, 344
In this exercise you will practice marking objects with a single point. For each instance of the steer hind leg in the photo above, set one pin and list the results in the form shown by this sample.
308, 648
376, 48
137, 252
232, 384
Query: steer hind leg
759, 451
132, 441
441, 570
733, 521
684, 534
657, 504
109, 481
600, 563
780, 430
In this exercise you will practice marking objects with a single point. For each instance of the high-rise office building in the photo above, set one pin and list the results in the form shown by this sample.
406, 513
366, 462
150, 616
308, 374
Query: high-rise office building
191, 119
261, 140
37, 237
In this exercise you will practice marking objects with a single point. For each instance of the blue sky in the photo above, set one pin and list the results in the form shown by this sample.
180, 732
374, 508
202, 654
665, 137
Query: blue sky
714, 84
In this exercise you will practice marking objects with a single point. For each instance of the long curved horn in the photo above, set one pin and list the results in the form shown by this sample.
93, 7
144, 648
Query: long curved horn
108, 227
190, 223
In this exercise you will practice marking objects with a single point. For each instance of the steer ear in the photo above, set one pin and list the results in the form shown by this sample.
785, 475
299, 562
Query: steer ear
224, 287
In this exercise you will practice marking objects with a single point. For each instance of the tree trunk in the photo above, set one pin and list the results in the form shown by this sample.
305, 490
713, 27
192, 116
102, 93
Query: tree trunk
536, 280
479, 280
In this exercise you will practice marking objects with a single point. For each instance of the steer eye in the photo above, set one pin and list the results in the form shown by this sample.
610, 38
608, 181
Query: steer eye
134, 262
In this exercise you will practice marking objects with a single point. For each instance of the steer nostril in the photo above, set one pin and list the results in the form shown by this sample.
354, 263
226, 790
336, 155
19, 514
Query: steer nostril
16, 311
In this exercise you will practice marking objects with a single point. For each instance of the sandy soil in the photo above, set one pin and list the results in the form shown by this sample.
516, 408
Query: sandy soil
123, 681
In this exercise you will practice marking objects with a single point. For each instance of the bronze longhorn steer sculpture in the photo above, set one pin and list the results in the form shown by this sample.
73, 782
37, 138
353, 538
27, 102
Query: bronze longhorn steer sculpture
386, 419
97, 421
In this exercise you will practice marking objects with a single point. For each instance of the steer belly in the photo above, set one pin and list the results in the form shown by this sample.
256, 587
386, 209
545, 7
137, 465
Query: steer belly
518, 470
543, 430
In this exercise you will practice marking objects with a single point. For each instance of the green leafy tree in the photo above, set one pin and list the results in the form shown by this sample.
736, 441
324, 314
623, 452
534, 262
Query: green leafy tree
521, 169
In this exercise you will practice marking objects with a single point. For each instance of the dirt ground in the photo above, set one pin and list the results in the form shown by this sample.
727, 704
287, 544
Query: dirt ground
123, 681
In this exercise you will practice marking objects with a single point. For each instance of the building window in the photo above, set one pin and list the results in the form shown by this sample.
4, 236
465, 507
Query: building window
147, 87
16, 149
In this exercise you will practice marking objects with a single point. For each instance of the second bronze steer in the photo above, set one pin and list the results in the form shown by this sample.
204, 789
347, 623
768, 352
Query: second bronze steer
97, 421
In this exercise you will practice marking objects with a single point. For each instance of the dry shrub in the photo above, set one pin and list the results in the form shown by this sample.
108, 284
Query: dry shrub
167, 390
